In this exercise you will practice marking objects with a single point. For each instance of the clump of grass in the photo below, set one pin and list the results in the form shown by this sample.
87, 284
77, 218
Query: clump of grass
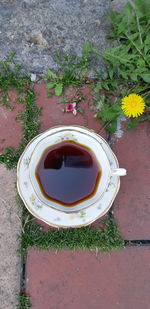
84, 238
103, 239
73, 71
24, 302
9, 78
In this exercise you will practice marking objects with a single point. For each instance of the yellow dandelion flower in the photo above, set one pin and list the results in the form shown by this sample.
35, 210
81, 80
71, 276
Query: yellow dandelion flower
133, 105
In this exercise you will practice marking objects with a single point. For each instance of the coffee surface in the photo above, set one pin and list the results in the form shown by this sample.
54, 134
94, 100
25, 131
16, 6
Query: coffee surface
68, 173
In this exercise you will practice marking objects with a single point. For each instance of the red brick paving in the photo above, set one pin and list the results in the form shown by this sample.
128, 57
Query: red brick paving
52, 114
79, 279
132, 205
71, 280
10, 129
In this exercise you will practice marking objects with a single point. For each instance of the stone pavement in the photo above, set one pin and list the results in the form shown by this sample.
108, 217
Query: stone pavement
70, 280
132, 205
10, 228
35, 30
83, 279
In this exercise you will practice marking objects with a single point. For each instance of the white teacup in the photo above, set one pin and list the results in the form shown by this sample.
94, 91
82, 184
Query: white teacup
71, 134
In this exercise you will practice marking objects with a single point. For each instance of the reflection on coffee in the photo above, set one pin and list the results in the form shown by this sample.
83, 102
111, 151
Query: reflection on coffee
68, 173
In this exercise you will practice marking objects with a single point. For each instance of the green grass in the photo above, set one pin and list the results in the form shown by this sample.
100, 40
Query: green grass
23, 302
72, 71
103, 239
10, 79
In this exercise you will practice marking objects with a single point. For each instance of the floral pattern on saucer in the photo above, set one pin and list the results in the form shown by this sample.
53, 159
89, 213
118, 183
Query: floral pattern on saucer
66, 137
35, 202
27, 161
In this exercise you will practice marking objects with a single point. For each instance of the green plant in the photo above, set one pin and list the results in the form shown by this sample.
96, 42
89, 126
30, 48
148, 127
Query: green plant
84, 238
128, 63
24, 302
73, 71
9, 78
103, 239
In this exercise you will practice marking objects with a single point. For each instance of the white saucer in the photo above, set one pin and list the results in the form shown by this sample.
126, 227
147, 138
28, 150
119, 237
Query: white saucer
55, 217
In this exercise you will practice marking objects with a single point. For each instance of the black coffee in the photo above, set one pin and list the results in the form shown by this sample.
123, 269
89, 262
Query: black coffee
68, 173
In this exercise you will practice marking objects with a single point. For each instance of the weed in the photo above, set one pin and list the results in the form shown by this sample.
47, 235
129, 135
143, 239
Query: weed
128, 64
102, 239
73, 71
9, 78
83, 238
24, 302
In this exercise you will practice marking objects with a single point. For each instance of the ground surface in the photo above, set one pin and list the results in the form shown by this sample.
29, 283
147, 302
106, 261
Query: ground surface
81, 278
35, 30
10, 228
70, 280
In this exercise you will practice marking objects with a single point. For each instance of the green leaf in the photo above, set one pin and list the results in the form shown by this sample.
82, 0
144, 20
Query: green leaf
113, 126
133, 77
141, 63
146, 77
133, 36
114, 55
50, 85
147, 44
128, 12
110, 72
146, 48
132, 124
147, 40
98, 87
146, 118
80, 110
143, 8
123, 74
87, 49
50, 94
108, 113
51, 74
58, 89
105, 85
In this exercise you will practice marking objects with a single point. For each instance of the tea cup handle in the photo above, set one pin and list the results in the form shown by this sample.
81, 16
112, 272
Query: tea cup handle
118, 172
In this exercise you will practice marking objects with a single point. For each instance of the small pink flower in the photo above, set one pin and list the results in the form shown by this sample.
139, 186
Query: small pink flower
71, 108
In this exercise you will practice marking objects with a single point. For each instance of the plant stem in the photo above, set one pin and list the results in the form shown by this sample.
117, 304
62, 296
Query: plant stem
137, 19
104, 127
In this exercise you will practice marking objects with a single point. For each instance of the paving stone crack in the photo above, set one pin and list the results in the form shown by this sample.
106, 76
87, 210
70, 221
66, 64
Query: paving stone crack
23, 277
137, 243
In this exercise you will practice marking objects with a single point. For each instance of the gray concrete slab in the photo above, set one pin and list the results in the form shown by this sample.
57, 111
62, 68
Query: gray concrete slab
10, 227
35, 29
